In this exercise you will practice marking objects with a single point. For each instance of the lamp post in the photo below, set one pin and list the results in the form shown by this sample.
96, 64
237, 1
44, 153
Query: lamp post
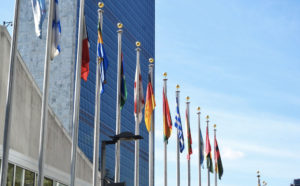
124, 136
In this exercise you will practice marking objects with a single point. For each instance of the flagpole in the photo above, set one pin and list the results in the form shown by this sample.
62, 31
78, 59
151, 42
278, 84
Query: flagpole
118, 110
44, 111
216, 166
77, 94
199, 144
97, 108
208, 173
258, 178
165, 141
137, 125
9, 97
178, 152
188, 119
151, 134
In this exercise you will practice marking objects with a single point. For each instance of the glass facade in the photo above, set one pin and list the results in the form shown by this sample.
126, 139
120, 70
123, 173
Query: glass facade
139, 25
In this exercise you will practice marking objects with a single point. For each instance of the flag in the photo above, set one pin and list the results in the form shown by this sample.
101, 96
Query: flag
123, 85
189, 135
85, 54
178, 125
201, 151
208, 153
56, 31
138, 93
39, 13
218, 161
166, 117
101, 59
150, 104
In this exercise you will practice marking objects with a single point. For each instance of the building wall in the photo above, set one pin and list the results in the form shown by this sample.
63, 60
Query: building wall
32, 50
25, 125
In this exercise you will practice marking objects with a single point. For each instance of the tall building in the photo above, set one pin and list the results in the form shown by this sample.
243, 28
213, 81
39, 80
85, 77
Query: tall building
296, 182
138, 18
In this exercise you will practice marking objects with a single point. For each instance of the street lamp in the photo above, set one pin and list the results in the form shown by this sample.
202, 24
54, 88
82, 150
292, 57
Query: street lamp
124, 136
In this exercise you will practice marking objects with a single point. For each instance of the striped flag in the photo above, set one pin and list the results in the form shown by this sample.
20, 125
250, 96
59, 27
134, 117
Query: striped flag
39, 13
56, 31
218, 161
138, 94
208, 153
150, 104
189, 135
201, 150
85, 54
102, 59
167, 121
123, 85
179, 126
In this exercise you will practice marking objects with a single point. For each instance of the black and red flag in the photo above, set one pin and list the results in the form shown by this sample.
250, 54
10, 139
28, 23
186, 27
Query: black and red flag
218, 161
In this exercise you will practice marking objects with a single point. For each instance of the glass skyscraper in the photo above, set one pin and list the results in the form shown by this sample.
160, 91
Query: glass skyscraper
138, 18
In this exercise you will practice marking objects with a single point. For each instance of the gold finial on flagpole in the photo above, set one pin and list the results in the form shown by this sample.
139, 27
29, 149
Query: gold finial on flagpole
120, 25
177, 87
138, 44
207, 117
188, 98
198, 108
100, 4
165, 74
215, 126
151, 60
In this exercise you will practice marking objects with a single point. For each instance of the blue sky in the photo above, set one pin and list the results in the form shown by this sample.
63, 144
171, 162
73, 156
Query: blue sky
240, 62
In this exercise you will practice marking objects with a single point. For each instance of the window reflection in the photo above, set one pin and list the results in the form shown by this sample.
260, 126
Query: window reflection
29, 178
18, 176
10, 175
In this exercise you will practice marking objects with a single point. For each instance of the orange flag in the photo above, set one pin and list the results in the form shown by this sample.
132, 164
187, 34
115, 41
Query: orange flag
150, 105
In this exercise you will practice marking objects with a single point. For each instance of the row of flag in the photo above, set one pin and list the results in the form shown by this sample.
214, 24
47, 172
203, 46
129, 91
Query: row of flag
167, 124
39, 11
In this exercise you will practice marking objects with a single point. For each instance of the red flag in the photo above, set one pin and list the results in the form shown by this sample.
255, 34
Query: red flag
189, 135
208, 153
166, 117
85, 54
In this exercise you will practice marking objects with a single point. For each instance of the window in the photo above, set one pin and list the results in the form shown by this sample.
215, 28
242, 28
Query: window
48, 182
10, 175
29, 178
19, 176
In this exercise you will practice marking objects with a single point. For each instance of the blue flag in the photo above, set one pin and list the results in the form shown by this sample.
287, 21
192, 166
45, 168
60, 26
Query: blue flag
101, 59
201, 150
178, 125
39, 13
56, 31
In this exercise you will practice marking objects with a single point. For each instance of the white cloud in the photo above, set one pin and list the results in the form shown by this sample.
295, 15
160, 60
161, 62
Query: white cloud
231, 154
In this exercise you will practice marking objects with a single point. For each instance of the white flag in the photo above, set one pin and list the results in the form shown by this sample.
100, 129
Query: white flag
138, 107
56, 31
39, 13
